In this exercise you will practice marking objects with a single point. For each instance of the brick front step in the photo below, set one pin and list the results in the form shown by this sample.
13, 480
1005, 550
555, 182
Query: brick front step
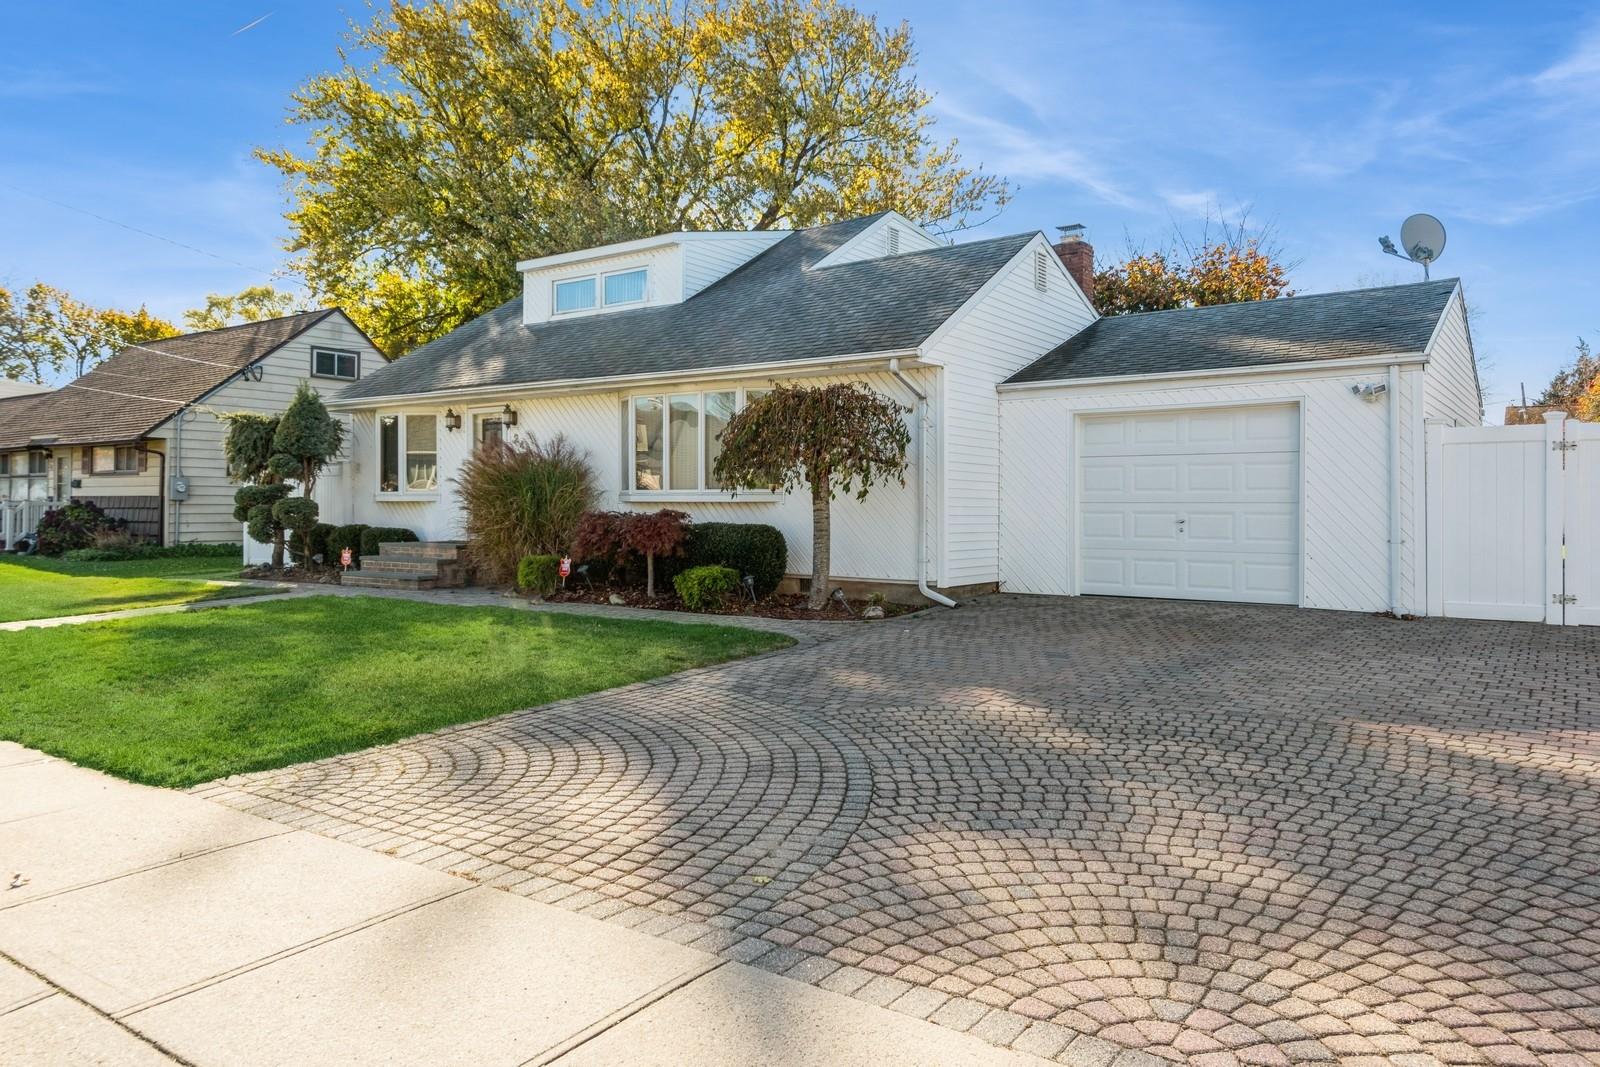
389, 581
428, 549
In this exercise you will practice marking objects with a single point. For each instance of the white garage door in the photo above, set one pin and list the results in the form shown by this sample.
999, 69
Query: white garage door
1200, 505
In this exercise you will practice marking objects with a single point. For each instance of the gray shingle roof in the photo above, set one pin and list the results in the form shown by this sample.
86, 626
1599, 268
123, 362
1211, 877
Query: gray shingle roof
1298, 329
138, 389
770, 310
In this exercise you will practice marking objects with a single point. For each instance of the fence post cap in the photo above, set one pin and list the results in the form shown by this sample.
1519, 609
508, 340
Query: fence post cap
1555, 416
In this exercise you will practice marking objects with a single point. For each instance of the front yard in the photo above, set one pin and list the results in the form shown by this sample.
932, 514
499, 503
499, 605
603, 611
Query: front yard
178, 699
35, 587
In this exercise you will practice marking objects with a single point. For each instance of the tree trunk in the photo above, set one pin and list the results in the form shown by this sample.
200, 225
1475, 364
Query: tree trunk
650, 575
277, 549
821, 523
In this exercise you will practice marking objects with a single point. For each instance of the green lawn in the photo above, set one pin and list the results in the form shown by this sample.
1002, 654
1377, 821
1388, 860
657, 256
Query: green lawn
178, 699
34, 587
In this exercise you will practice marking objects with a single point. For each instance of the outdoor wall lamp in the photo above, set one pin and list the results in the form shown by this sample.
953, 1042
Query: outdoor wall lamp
452, 421
509, 415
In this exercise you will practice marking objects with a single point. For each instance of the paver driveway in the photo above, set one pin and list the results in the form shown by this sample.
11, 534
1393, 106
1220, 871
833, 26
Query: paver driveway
1207, 832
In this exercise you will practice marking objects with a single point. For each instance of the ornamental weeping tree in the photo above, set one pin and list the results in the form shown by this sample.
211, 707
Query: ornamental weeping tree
266, 453
841, 438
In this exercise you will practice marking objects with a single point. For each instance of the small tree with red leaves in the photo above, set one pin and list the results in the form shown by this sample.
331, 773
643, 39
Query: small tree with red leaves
830, 439
652, 534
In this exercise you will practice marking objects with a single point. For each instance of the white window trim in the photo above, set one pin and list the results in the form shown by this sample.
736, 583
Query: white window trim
378, 492
335, 353
599, 277
698, 494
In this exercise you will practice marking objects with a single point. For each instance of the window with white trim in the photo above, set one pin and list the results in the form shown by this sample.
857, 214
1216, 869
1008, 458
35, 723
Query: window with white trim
608, 289
29, 476
332, 363
676, 438
408, 453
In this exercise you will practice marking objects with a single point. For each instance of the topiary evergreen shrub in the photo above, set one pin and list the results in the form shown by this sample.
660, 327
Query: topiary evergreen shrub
344, 537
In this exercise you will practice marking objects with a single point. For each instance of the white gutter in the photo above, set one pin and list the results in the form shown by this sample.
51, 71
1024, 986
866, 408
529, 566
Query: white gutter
464, 394
922, 489
1394, 489
1329, 365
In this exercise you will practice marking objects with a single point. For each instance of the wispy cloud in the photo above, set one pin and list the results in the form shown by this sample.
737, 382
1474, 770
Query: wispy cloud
48, 85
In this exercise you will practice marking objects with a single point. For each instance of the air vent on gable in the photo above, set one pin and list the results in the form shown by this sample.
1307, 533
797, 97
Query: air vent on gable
894, 241
1041, 271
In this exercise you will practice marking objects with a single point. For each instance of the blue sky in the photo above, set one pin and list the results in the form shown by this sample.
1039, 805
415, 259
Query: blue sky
1331, 122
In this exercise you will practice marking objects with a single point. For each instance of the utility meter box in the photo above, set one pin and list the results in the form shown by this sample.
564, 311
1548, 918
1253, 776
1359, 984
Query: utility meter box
179, 489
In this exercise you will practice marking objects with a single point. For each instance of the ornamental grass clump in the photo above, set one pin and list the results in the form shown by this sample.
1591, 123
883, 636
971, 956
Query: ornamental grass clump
523, 497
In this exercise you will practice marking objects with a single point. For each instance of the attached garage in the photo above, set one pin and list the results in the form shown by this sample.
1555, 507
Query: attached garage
1200, 504
1269, 452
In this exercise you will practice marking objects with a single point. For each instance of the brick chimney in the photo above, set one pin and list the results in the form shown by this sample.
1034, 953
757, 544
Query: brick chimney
1078, 255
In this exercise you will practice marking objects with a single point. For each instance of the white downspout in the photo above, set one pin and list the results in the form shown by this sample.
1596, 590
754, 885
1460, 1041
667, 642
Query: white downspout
1394, 489
922, 489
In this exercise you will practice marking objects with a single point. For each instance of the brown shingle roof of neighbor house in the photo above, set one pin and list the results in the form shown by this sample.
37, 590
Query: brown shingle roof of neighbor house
773, 309
139, 388
1298, 329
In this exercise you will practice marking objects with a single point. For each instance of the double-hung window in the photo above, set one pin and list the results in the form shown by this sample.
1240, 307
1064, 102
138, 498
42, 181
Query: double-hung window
118, 459
594, 290
677, 437
408, 453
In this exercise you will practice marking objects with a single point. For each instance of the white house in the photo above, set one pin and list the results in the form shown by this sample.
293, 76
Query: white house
1262, 452
139, 434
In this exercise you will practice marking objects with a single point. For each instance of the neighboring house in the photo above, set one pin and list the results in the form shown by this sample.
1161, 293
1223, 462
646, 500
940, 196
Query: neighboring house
139, 434
11, 387
1261, 452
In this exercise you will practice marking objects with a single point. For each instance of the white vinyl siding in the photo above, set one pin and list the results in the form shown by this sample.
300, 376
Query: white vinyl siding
874, 242
1010, 326
1451, 390
1344, 469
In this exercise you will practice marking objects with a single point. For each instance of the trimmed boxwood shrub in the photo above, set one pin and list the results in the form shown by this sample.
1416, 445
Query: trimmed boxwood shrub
344, 537
705, 587
748, 547
539, 573
189, 549
373, 536
316, 544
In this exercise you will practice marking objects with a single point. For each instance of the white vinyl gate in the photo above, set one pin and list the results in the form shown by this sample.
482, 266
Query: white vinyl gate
1514, 522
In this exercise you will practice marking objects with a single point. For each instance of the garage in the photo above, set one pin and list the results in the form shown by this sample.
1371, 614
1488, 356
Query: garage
1200, 504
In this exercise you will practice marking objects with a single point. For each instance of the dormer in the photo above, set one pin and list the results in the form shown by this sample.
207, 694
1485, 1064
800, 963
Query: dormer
891, 234
649, 272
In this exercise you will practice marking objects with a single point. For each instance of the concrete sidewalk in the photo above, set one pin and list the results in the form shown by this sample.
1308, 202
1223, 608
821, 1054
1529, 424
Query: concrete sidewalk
140, 926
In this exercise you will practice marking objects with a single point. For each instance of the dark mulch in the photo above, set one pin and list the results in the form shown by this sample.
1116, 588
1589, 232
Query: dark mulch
772, 607
320, 576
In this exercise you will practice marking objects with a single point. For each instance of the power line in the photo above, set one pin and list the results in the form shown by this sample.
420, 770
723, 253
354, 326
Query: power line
136, 229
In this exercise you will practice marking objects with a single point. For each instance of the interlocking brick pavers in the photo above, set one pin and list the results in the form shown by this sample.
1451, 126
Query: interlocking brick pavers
1231, 834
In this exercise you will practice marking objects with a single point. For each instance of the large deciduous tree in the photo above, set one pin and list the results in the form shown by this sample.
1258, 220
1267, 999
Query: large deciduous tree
251, 304
461, 136
1226, 264
48, 333
831, 439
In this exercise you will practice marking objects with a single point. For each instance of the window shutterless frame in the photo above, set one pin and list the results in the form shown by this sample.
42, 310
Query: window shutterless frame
602, 285
335, 363
395, 450
741, 396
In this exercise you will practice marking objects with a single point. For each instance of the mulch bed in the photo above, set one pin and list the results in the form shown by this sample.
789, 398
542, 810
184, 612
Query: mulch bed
772, 607
300, 575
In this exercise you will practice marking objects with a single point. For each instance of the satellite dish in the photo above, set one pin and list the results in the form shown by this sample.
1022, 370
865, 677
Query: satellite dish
1421, 241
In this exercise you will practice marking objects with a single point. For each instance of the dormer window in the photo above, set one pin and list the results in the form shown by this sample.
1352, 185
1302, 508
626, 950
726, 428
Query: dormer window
614, 288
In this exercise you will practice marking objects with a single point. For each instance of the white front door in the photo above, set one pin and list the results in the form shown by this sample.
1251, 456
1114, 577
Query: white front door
1202, 504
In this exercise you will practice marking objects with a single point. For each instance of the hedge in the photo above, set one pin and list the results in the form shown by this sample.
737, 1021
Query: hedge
128, 552
344, 537
749, 548
705, 587
373, 536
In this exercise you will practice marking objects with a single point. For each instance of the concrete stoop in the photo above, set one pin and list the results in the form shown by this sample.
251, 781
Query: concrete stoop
411, 565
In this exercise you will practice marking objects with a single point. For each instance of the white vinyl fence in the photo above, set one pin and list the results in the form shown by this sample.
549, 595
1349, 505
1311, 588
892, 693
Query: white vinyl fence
1514, 522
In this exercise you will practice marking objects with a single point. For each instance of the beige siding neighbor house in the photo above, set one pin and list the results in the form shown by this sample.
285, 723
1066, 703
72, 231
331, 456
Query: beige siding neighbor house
140, 436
